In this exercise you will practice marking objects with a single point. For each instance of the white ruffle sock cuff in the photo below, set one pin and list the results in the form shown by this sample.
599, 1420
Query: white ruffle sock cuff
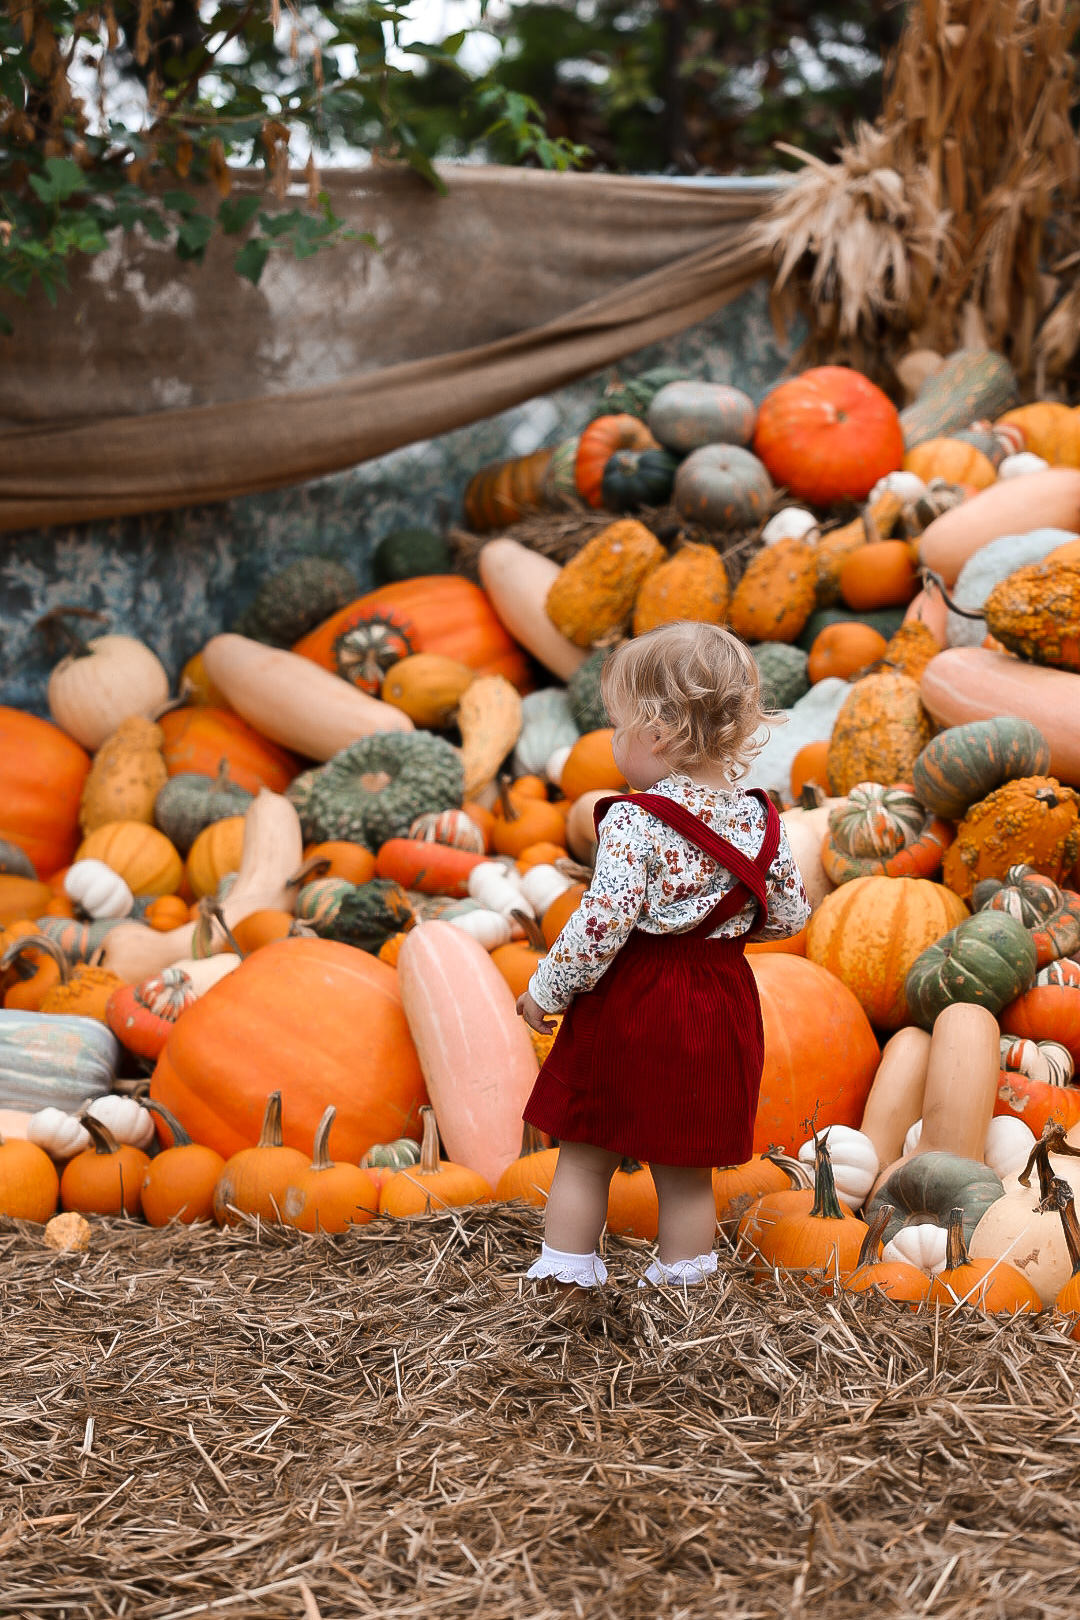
681, 1273
586, 1270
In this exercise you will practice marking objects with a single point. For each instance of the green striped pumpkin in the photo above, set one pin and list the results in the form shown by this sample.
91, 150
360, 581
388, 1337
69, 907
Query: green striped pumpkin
973, 385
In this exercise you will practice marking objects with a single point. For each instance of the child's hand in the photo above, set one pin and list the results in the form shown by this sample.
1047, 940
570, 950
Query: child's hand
534, 1015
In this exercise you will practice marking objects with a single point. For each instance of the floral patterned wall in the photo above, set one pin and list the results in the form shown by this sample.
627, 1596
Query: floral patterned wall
176, 578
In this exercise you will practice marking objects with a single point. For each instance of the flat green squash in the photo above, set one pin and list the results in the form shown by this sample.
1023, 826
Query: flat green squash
988, 959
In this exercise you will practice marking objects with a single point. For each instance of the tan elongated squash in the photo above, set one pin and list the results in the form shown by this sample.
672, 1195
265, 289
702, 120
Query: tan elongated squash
517, 582
973, 683
476, 1055
1042, 500
292, 700
205, 971
896, 1096
273, 850
806, 830
489, 719
961, 1081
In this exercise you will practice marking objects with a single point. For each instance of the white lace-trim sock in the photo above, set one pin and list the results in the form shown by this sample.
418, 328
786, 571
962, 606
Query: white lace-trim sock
586, 1270
680, 1272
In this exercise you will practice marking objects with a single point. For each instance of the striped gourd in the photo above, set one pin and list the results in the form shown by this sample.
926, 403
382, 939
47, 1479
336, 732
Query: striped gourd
973, 385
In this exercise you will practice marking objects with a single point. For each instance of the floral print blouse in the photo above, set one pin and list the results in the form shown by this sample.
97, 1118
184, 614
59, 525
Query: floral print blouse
649, 877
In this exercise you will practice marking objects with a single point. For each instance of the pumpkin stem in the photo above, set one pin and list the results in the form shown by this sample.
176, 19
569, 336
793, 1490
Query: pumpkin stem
270, 1135
1060, 1198
800, 1177
531, 1141
629, 1167
59, 634
180, 1137
320, 1155
826, 1206
103, 1139
506, 803
316, 866
956, 1254
1052, 1140
928, 577
39, 942
574, 870
534, 934
429, 1145
812, 796
874, 1232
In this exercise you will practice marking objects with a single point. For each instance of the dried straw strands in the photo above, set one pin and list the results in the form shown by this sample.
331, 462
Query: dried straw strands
240, 1424
964, 190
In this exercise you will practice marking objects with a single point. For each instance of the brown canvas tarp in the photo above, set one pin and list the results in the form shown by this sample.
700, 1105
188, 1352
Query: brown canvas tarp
158, 384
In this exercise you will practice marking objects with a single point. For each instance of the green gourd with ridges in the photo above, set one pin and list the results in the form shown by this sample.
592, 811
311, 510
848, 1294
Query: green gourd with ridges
586, 699
636, 478
783, 674
409, 554
188, 803
973, 385
928, 1186
334, 801
987, 960
367, 916
634, 396
289, 604
961, 766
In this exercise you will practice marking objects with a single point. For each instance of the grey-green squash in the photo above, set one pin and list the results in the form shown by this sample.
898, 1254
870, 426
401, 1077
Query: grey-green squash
634, 396
929, 1185
367, 915
408, 554
973, 385
783, 674
988, 959
964, 764
376, 788
289, 604
188, 803
585, 697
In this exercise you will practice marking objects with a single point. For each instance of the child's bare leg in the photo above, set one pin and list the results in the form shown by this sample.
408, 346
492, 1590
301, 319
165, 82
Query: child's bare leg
578, 1199
687, 1216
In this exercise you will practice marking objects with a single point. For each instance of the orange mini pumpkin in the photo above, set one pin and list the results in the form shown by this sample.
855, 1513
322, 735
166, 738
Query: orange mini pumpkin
990, 1285
898, 1280
352, 862
255, 1180
843, 650
879, 575
434, 1183
178, 1185
106, 1178
590, 765
518, 961
529, 1177
329, 1197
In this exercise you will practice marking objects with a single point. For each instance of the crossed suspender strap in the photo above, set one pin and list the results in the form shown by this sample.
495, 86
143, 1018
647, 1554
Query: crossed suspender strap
751, 873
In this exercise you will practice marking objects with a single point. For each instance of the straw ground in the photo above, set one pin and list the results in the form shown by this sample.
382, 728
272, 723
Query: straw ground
197, 1423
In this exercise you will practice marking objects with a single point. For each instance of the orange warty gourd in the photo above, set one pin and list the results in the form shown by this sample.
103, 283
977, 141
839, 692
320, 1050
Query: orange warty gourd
820, 1051
879, 575
42, 772
254, 1181
992, 1286
868, 932
827, 1239
178, 1185
352, 862
319, 1020
105, 1179
199, 739
591, 766
529, 1177
329, 1197
898, 1280
29, 1185
843, 650
434, 1183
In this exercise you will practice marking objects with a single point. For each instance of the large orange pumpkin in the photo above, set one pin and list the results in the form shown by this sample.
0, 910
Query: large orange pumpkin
197, 739
447, 614
868, 933
828, 435
318, 1021
820, 1052
42, 771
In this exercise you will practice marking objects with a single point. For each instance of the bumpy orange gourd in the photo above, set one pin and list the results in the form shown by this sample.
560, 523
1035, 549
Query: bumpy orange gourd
1033, 821
691, 585
434, 1183
79, 991
127, 774
879, 733
1036, 610
594, 594
255, 1180
777, 593
911, 649
329, 1197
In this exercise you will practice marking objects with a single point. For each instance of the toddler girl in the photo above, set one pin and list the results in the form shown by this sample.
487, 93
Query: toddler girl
661, 1048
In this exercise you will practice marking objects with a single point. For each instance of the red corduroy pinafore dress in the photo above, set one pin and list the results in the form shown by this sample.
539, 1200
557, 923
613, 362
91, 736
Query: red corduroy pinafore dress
662, 1060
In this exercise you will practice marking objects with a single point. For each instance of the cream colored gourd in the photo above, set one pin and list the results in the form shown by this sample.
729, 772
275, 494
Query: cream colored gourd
91, 693
975, 683
517, 582
1008, 1145
206, 971
498, 888
273, 850
1015, 1230
489, 719
489, 928
580, 830
896, 1096
553, 767
292, 700
854, 1160
961, 1081
806, 831
542, 886
61, 1134
97, 889
922, 1244
475, 1053
1043, 500
127, 1119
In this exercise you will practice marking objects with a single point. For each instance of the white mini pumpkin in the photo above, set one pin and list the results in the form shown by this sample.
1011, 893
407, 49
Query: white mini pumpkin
497, 887
854, 1160
542, 886
489, 928
790, 523
1021, 464
922, 1244
912, 1139
99, 890
906, 486
127, 1119
1008, 1145
60, 1134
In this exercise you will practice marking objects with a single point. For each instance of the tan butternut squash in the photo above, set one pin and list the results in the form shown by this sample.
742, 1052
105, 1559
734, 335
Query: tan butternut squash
292, 700
205, 971
961, 1081
896, 1096
973, 683
1042, 500
489, 719
517, 582
273, 850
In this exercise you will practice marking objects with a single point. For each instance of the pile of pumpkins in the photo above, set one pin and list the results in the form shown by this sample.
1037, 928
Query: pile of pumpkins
326, 870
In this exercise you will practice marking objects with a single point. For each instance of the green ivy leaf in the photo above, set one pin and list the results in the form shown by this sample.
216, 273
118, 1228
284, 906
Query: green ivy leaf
237, 213
250, 260
193, 235
61, 180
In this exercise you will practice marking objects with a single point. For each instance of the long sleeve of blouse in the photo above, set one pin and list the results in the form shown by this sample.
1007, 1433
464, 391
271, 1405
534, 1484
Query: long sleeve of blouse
648, 876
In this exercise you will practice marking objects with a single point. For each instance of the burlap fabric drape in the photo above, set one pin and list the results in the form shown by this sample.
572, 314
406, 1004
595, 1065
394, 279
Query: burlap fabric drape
158, 384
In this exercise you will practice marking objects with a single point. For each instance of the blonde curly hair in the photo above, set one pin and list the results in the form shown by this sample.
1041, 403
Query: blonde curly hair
698, 684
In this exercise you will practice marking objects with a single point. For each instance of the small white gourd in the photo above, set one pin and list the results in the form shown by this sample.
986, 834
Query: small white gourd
553, 768
790, 523
546, 724
61, 1135
921, 1244
542, 886
97, 889
854, 1160
489, 928
128, 1120
906, 486
912, 1139
1021, 464
498, 888
1008, 1145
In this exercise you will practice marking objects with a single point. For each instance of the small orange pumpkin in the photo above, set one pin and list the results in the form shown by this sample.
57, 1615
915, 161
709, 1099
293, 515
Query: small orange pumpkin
352, 862
165, 913
897, 1279
142, 856
29, 1185
518, 961
329, 1197
178, 1185
590, 765
989, 1285
879, 575
255, 1180
529, 1177
842, 650
434, 1183
106, 1178
217, 851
